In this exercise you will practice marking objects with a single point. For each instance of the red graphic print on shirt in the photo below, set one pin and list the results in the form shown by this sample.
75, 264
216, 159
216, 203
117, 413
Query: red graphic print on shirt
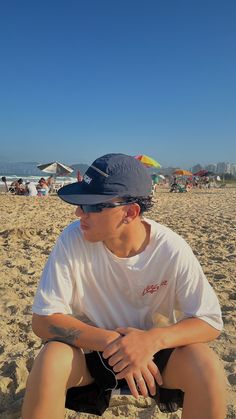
154, 288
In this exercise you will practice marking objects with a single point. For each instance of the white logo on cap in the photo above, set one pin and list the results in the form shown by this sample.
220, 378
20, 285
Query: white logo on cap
87, 179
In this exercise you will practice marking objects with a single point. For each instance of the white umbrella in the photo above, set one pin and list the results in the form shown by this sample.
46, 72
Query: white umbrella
55, 168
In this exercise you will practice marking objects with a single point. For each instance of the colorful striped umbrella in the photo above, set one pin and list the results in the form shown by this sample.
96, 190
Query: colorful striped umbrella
148, 161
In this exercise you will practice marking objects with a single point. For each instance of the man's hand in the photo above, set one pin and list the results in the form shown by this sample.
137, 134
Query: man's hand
131, 358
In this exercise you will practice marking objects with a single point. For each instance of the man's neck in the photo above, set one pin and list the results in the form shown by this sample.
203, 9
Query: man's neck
132, 241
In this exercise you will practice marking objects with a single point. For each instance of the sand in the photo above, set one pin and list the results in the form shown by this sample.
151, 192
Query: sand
29, 228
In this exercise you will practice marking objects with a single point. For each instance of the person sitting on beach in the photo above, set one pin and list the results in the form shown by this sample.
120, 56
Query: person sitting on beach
107, 277
42, 187
31, 189
18, 187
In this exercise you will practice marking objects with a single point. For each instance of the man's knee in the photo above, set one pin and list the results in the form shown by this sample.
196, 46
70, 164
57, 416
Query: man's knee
56, 361
55, 355
65, 363
193, 366
201, 360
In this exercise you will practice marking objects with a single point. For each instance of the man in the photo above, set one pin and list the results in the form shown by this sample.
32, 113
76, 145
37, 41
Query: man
109, 275
4, 180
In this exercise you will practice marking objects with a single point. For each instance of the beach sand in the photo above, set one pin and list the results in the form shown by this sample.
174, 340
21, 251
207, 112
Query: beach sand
29, 228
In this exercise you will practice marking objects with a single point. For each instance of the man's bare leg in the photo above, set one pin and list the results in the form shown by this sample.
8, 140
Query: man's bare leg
196, 370
57, 368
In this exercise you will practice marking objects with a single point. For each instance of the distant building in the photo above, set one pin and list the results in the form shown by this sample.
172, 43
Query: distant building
223, 168
211, 168
233, 169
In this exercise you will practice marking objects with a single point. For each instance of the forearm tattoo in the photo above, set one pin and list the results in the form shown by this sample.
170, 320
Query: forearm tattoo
64, 335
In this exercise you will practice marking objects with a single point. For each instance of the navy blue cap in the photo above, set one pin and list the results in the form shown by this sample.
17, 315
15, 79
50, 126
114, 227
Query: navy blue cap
110, 176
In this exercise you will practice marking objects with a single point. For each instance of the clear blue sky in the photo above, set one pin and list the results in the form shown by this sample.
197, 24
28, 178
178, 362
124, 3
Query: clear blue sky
83, 78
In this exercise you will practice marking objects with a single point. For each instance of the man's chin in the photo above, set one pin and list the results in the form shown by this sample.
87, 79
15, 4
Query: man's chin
90, 238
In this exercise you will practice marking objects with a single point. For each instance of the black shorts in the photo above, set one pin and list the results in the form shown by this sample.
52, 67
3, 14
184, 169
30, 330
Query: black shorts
94, 398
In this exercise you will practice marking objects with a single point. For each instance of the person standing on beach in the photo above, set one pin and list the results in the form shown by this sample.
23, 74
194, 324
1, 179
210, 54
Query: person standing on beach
50, 182
79, 176
109, 275
4, 180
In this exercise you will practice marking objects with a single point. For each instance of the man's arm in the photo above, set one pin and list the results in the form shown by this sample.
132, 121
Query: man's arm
185, 332
68, 329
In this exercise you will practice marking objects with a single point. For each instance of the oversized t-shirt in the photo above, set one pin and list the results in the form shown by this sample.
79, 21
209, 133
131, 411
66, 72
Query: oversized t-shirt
162, 285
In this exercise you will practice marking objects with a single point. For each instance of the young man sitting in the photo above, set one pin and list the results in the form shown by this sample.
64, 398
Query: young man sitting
108, 276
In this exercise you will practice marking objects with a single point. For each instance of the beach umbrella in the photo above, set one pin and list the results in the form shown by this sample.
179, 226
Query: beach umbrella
55, 168
148, 161
203, 172
182, 172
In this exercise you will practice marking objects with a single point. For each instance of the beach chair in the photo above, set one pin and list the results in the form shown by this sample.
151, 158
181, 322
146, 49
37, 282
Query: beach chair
57, 186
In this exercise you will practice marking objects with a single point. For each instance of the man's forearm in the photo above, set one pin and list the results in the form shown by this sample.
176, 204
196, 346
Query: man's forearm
68, 329
185, 332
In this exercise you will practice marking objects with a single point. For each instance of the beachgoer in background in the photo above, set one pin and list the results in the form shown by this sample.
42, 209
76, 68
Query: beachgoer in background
79, 176
107, 277
31, 189
195, 182
12, 187
42, 187
207, 182
18, 187
174, 185
4, 180
188, 185
50, 182
155, 180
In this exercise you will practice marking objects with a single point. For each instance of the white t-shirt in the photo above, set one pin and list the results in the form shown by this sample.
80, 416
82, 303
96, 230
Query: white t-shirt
32, 191
164, 282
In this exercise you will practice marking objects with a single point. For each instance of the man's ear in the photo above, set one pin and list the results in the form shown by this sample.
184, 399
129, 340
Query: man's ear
132, 211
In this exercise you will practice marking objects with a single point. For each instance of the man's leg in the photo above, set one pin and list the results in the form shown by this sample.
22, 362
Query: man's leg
57, 368
196, 370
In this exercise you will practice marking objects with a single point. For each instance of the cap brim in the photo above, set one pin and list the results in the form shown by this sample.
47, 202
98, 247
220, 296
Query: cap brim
74, 194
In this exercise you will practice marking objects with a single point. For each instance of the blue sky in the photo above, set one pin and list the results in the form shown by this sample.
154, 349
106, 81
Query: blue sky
84, 78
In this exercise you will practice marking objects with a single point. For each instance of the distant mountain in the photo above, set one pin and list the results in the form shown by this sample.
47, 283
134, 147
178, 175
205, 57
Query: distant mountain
30, 169
22, 169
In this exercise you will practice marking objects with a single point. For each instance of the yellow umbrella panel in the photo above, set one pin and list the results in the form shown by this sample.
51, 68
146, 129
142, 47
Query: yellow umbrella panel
148, 161
182, 172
